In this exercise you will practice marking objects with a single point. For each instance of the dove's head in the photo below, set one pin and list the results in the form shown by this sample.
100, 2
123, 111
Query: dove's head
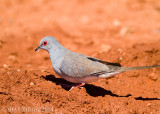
49, 43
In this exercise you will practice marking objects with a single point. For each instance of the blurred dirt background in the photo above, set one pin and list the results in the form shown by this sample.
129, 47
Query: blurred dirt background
124, 31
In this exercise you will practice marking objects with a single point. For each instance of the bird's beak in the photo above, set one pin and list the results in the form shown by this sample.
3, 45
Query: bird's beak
37, 48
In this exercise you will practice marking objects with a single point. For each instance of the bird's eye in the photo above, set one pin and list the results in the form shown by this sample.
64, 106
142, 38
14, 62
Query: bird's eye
45, 43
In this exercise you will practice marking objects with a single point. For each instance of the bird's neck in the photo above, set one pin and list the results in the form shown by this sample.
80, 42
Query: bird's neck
57, 54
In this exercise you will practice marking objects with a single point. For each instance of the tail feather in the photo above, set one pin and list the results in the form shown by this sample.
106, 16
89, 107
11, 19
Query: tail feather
122, 69
136, 68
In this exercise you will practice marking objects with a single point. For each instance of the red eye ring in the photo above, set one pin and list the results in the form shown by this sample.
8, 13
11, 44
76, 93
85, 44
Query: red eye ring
45, 43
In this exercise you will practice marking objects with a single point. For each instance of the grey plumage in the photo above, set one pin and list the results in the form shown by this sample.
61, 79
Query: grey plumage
78, 68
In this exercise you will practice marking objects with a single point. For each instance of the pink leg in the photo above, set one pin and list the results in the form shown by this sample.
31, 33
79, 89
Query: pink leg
74, 85
78, 85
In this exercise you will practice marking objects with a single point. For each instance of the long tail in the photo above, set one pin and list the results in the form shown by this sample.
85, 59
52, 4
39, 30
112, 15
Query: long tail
136, 68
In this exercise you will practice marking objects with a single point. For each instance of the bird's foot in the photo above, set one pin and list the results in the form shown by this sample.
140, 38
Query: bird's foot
70, 87
77, 85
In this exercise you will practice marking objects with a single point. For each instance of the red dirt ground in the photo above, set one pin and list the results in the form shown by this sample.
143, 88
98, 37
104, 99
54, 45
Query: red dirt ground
126, 31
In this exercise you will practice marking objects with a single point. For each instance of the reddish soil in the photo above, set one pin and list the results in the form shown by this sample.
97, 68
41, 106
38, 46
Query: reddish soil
126, 31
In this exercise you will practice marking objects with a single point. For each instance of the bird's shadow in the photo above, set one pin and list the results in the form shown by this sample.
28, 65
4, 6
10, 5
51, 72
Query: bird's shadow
92, 90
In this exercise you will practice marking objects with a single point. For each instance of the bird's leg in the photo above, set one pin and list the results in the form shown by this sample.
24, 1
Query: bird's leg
77, 85
70, 87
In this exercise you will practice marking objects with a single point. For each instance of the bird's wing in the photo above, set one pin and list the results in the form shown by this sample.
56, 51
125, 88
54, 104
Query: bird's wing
112, 67
79, 65
104, 62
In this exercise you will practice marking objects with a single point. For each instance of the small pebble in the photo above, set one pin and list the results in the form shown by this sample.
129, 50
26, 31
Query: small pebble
153, 76
116, 23
123, 31
128, 85
121, 58
120, 50
149, 104
126, 30
6, 66
31, 83
18, 70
